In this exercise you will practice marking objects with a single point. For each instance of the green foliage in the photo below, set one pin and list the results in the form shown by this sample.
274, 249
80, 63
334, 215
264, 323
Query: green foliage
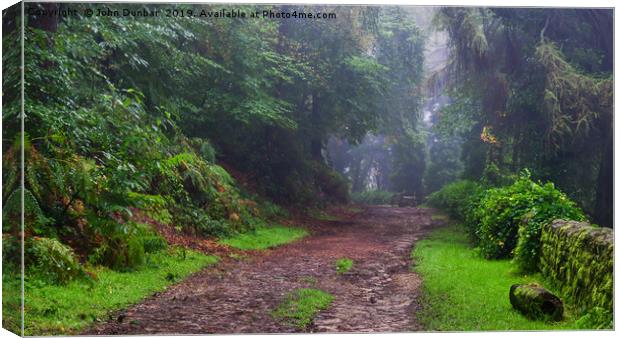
372, 197
549, 204
456, 198
203, 197
579, 259
50, 260
126, 246
332, 185
11, 251
120, 253
300, 306
464, 292
525, 204
343, 265
35, 220
271, 211
264, 237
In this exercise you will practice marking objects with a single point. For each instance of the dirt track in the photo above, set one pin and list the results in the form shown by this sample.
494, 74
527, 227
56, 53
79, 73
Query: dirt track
237, 296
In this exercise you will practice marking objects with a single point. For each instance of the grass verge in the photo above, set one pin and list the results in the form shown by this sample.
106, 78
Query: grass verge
300, 306
68, 309
464, 292
263, 238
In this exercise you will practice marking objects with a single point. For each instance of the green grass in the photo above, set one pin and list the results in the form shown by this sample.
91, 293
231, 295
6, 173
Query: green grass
343, 265
464, 292
263, 238
300, 306
68, 309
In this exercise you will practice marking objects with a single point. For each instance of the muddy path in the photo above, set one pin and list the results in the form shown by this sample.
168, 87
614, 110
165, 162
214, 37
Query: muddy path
237, 296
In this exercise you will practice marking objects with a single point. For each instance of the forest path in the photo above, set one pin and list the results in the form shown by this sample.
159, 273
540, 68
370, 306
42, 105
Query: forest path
379, 294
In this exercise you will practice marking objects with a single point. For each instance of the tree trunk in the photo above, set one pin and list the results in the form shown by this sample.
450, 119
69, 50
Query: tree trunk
535, 302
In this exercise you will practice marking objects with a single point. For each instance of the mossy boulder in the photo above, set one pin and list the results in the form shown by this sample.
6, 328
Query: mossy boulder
536, 302
578, 257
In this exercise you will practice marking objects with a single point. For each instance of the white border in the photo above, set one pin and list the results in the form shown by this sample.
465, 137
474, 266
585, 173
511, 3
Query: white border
493, 3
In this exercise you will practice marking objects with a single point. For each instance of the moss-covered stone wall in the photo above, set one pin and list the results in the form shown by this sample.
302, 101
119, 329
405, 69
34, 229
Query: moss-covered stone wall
578, 257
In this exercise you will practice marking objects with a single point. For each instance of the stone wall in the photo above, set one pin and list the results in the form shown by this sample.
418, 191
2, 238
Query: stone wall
579, 259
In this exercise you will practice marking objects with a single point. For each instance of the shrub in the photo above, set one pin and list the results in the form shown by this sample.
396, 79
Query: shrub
272, 211
51, 260
154, 243
459, 199
120, 253
334, 186
501, 213
372, 197
455, 198
11, 251
124, 247
548, 204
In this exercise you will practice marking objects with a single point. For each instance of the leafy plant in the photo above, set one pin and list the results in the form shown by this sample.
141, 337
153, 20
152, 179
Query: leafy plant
456, 198
52, 261
514, 215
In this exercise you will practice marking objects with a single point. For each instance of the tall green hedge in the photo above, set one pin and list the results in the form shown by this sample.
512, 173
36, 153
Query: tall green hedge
579, 258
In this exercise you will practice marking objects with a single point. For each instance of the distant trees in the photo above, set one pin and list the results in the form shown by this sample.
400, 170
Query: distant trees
394, 158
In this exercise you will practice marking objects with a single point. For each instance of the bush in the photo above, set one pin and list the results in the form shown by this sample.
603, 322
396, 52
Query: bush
52, 261
548, 204
272, 211
518, 211
120, 253
11, 251
154, 243
126, 245
459, 199
372, 197
455, 198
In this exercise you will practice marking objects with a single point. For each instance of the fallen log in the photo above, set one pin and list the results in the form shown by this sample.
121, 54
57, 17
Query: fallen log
536, 302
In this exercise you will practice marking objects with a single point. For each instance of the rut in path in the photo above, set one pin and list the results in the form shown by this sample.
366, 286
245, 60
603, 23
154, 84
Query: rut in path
378, 295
